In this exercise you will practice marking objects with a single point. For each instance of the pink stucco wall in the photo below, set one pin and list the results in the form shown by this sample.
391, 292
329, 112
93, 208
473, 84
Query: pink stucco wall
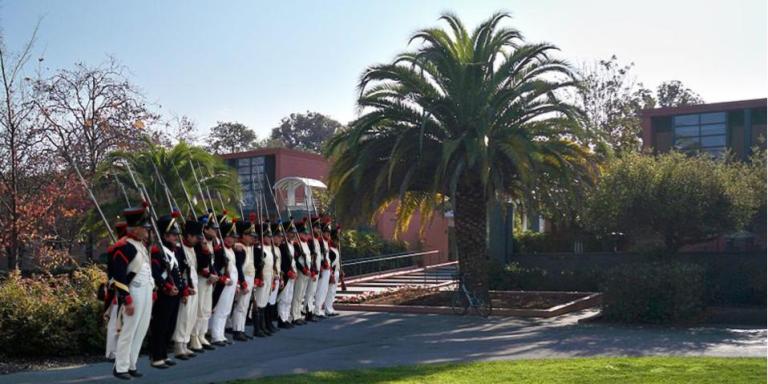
435, 235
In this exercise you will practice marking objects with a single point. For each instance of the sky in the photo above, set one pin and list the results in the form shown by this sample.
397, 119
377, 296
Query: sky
258, 61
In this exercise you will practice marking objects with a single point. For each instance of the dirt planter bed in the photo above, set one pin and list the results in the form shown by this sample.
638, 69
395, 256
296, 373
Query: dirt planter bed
505, 303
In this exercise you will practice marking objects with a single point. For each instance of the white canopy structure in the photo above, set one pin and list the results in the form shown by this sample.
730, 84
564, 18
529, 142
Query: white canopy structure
291, 184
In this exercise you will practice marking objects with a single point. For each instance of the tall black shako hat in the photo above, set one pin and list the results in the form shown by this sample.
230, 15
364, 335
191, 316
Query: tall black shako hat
292, 226
137, 217
277, 228
193, 228
168, 224
246, 227
208, 220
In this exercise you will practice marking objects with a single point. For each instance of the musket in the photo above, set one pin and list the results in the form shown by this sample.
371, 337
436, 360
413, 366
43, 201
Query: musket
171, 201
223, 208
186, 194
277, 208
122, 189
93, 198
200, 190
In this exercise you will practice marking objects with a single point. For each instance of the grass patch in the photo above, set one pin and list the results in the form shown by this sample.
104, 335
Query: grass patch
646, 370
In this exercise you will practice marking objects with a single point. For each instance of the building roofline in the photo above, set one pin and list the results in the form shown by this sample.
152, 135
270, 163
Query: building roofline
272, 151
699, 108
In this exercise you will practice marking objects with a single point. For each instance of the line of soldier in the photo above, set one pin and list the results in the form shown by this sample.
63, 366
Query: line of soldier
207, 277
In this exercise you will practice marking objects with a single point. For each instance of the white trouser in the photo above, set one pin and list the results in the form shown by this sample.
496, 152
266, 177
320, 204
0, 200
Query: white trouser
240, 311
133, 328
331, 296
186, 319
309, 298
204, 303
112, 332
284, 300
223, 309
299, 289
322, 290
273, 294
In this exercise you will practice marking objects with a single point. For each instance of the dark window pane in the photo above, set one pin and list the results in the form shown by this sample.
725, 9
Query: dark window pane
713, 129
713, 141
687, 131
686, 143
243, 162
686, 120
717, 117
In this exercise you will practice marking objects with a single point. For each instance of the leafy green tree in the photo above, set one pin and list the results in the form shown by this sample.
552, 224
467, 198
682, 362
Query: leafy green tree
675, 94
173, 165
305, 131
675, 198
612, 98
229, 137
467, 116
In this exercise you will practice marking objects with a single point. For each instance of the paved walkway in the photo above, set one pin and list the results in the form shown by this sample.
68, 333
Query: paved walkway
431, 277
356, 340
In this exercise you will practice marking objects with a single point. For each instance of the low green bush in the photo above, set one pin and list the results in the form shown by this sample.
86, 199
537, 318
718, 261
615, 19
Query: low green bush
514, 276
51, 316
654, 292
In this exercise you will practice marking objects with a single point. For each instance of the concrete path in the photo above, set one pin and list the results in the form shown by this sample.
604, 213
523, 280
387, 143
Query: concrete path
358, 340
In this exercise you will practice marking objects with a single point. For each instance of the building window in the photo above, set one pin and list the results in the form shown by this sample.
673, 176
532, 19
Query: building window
250, 172
703, 132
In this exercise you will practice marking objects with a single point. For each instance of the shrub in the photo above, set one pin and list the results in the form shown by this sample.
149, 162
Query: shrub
514, 276
359, 243
654, 292
51, 316
681, 199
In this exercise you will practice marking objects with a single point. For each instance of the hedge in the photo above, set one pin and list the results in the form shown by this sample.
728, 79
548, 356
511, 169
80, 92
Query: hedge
51, 316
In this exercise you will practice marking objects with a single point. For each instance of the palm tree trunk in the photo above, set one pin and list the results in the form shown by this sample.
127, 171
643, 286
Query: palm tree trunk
470, 210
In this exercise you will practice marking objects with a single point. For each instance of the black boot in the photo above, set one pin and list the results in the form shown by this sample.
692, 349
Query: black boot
311, 317
264, 322
257, 329
271, 316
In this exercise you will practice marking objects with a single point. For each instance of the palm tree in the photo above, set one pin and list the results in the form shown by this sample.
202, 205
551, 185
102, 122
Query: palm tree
173, 166
465, 118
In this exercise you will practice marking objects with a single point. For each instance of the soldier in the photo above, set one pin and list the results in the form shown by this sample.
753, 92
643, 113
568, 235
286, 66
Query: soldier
264, 273
165, 271
206, 280
111, 306
225, 266
277, 281
288, 277
315, 255
301, 254
334, 255
325, 267
132, 279
244, 254
187, 317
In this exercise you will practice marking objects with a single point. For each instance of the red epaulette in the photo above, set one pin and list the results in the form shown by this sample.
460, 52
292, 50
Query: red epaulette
120, 243
155, 249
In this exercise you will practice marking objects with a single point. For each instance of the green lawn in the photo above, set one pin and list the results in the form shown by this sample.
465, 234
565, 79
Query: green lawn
645, 370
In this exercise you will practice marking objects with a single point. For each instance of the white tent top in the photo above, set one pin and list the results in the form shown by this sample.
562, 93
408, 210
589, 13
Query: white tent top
293, 182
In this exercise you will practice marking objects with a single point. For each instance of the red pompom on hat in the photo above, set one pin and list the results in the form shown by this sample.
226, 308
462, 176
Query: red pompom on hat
252, 217
235, 219
175, 213
224, 212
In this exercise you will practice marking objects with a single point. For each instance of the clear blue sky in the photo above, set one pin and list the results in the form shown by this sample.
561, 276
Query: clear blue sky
257, 61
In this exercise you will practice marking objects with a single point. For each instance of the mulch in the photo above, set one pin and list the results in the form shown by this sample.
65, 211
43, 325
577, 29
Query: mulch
432, 297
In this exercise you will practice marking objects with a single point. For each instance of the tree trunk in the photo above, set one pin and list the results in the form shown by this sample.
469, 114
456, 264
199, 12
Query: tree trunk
470, 212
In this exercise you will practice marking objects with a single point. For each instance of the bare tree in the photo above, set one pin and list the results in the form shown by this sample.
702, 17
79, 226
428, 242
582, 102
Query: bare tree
18, 138
89, 111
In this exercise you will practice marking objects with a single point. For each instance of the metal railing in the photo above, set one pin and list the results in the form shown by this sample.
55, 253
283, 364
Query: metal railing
395, 261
